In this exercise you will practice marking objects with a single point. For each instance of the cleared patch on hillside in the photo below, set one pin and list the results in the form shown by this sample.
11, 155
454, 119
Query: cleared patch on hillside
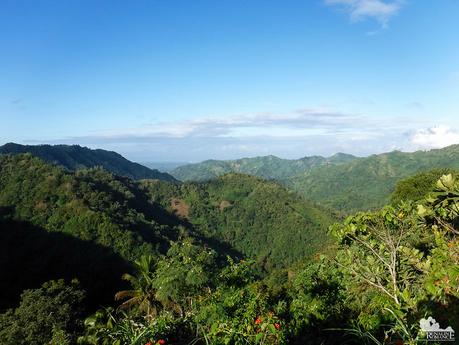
180, 208
224, 204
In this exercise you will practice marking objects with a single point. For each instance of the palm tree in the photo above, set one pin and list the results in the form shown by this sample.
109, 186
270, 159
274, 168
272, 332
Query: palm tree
143, 292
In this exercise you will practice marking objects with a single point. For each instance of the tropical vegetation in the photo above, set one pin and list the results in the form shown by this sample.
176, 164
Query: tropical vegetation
89, 257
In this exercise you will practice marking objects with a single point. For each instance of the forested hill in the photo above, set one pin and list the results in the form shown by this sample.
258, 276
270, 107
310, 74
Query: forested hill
259, 218
89, 223
187, 249
367, 183
75, 157
270, 167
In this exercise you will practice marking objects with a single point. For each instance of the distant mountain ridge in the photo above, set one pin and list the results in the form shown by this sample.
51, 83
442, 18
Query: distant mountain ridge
342, 182
74, 157
367, 183
269, 167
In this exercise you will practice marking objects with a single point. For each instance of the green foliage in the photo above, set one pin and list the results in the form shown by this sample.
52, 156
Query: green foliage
380, 258
166, 289
238, 211
284, 280
388, 270
318, 298
75, 157
442, 206
247, 212
417, 187
440, 216
182, 274
91, 224
170, 283
108, 327
233, 312
240, 316
44, 315
142, 292
401, 264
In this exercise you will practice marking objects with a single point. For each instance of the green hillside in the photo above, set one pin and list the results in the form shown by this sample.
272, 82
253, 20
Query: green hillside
367, 183
109, 221
85, 224
74, 157
235, 260
256, 217
269, 167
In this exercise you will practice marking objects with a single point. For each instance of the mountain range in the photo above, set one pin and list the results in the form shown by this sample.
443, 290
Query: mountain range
367, 183
342, 182
269, 167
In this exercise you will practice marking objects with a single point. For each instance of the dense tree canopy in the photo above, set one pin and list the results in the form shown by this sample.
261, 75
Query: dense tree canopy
235, 260
247, 213
50, 314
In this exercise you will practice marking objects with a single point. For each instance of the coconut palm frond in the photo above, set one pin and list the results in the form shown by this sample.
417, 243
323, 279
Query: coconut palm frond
125, 294
130, 302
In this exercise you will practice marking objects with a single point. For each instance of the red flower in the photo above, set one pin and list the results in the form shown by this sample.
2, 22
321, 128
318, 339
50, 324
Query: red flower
148, 343
257, 321
161, 342
277, 325
399, 342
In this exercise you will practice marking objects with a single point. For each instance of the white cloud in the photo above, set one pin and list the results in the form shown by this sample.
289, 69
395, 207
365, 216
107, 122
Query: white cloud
299, 122
293, 134
435, 137
381, 10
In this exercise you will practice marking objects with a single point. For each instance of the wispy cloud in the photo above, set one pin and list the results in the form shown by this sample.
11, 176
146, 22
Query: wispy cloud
18, 103
292, 134
415, 105
434, 137
294, 123
380, 10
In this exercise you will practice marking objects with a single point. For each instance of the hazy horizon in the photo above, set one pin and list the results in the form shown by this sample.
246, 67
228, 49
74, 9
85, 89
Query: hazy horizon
161, 165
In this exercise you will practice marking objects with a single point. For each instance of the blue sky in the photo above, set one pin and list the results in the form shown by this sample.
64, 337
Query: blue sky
188, 80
